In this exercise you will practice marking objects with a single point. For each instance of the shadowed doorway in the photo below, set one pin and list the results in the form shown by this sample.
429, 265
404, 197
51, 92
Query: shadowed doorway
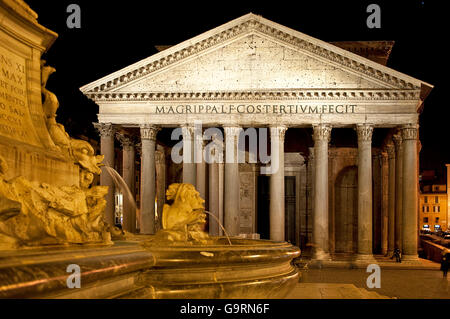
263, 218
346, 218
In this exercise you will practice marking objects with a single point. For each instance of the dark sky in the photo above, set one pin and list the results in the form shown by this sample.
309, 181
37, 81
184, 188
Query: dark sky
114, 34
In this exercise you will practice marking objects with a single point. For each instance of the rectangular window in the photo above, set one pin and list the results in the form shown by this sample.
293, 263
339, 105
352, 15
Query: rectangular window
423, 209
425, 219
437, 220
436, 199
425, 199
439, 209
428, 209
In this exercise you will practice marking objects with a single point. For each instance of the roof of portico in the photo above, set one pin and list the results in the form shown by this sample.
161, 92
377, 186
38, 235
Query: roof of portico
384, 80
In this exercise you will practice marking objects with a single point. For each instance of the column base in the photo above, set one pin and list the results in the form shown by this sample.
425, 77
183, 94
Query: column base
319, 259
320, 255
389, 253
411, 259
365, 258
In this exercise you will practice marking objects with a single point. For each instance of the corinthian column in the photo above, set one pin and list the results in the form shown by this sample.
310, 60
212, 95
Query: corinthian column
201, 169
397, 138
214, 185
320, 234
148, 182
189, 171
391, 199
160, 164
364, 191
384, 202
129, 209
213, 197
277, 217
409, 201
231, 196
106, 131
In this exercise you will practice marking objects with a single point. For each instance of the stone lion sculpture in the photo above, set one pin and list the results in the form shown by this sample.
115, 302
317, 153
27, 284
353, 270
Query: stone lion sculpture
183, 220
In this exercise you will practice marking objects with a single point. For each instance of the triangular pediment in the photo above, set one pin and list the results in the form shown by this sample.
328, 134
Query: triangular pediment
251, 53
251, 62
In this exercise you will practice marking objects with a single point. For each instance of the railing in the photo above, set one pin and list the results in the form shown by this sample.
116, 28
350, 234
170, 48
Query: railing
431, 250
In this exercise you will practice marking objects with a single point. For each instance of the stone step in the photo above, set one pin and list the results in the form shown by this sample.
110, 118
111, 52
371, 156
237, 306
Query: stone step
332, 291
368, 294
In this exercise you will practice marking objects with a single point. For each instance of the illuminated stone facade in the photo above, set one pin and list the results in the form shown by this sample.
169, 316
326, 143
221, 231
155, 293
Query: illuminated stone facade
255, 73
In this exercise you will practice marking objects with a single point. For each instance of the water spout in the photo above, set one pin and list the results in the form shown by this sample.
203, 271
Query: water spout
220, 224
122, 185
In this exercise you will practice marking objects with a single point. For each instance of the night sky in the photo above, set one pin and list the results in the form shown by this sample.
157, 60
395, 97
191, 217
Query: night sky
115, 34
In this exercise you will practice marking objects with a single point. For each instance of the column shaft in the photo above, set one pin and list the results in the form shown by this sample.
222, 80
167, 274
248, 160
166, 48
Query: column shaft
148, 182
231, 196
189, 168
277, 218
398, 189
409, 203
128, 166
221, 196
160, 184
201, 170
213, 158
106, 131
320, 234
384, 202
365, 224
391, 199
214, 198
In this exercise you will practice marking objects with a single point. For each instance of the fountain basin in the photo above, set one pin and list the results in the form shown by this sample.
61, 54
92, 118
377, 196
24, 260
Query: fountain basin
135, 269
246, 269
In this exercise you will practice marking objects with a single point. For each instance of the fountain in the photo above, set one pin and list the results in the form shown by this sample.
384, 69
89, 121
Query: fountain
51, 217
191, 264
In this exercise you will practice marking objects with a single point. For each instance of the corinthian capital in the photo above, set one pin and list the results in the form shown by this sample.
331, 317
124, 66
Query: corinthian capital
148, 132
365, 132
278, 132
397, 138
127, 141
104, 129
409, 132
232, 131
188, 132
322, 132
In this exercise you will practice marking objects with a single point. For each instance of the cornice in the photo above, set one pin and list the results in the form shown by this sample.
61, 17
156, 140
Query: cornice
299, 94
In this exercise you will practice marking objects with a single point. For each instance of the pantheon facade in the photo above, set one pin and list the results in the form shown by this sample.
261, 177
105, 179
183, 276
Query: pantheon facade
342, 127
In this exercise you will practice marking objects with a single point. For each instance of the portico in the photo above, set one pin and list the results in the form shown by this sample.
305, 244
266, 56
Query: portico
255, 73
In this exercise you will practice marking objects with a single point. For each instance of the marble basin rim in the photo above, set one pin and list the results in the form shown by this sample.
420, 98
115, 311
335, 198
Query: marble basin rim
248, 268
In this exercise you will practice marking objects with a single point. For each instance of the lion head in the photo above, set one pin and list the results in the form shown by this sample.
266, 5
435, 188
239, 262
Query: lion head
185, 193
187, 207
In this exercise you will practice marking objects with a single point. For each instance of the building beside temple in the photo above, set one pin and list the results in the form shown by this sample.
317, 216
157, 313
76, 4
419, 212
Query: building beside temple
343, 130
433, 208
434, 201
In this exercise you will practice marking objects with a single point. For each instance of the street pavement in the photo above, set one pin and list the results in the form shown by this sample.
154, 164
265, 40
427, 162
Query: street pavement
329, 283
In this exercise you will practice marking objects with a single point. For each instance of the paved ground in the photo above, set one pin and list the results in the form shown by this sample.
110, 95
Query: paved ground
332, 291
395, 283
